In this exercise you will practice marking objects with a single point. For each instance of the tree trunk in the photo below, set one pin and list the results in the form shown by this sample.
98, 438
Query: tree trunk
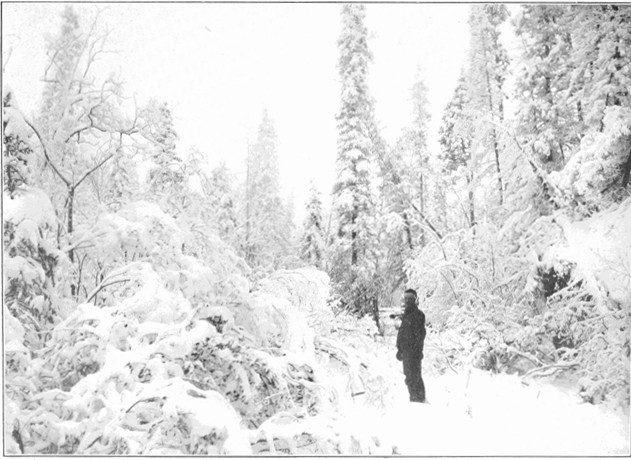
247, 207
70, 225
408, 230
422, 206
494, 134
627, 168
471, 202
354, 237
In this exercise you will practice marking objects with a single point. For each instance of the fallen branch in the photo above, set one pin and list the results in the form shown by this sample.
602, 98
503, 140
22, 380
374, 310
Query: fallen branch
554, 367
529, 357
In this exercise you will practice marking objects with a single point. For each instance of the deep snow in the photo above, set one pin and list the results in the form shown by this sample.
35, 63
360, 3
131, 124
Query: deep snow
479, 413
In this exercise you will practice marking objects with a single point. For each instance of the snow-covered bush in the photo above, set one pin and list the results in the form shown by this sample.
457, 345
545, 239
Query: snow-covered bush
171, 354
17, 152
546, 298
30, 259
587, 313
470, 286
591, 179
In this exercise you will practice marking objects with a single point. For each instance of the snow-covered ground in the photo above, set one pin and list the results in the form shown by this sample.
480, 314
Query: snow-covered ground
479, 413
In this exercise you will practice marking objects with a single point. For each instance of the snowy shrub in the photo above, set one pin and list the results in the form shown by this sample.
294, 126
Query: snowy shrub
30, 260
548, 298
170, 354
586, 315
117, 374
585, 336
472, 274
591, 179
140, 231
17, 151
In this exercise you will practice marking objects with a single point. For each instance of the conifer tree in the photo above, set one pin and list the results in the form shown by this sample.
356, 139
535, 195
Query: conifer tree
487, 72
455, 140
420, 165
313, 244
266, 233
574, 97
601, 41
166, 179
547, 122
405, 172
353, 194
221, 198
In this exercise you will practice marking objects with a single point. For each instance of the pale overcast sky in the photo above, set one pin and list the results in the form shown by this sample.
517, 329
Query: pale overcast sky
219, 65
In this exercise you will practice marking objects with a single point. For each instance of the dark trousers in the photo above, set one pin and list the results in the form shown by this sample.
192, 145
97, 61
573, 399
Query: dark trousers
414, 379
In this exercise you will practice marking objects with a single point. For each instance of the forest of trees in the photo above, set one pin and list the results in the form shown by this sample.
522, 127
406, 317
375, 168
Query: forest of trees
103, 212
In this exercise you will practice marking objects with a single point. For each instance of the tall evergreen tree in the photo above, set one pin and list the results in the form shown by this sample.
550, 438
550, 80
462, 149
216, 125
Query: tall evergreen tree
404, 187
266, 233
487, 73
165, 179
572, 85
547, 122
353, 190
420, 166
455, 137
601, 39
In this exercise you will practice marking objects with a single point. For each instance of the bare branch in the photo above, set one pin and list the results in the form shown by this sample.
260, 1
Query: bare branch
426, 220
5, 62
103, 286
51, 62
92, 170
45, 150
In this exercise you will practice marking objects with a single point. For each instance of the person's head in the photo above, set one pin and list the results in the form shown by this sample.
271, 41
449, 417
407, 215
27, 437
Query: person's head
410, 297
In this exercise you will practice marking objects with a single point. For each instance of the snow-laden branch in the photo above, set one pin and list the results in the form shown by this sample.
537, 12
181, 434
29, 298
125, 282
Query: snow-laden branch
45, 150
115, 277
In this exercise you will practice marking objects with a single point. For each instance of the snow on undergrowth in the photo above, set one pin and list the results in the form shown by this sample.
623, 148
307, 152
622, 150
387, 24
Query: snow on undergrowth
176, 353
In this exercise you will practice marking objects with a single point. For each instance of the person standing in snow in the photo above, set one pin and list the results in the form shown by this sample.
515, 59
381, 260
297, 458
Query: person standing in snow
410, 341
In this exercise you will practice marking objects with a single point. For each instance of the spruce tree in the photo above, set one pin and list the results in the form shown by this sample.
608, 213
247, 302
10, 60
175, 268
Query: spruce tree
165, 178
353, 198
266, 233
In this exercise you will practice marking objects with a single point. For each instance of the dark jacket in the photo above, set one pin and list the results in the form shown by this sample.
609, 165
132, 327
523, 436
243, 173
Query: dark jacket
411, 334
